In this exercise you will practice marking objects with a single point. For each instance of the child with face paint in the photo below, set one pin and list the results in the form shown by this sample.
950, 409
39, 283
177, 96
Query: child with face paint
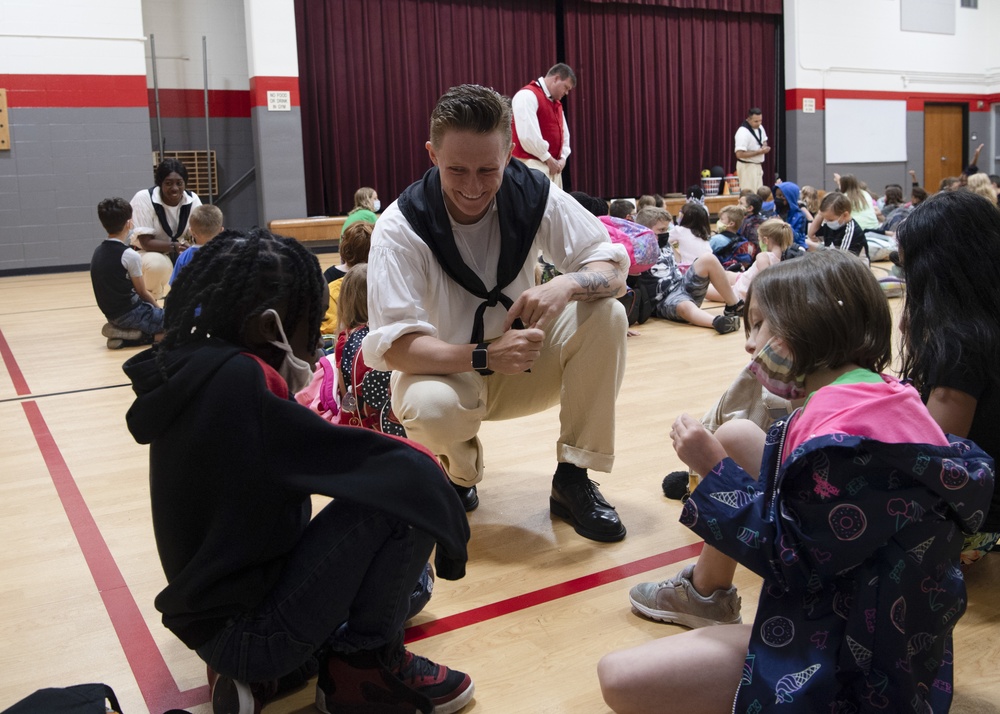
266, 593
850, 510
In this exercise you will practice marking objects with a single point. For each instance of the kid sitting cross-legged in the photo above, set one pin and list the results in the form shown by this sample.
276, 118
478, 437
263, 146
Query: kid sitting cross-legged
133, 317
851, 511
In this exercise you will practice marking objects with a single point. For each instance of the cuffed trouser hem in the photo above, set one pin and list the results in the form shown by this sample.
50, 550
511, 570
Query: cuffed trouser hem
584, 459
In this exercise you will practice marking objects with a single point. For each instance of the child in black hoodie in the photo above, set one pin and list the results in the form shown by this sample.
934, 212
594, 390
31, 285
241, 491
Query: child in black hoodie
264, 593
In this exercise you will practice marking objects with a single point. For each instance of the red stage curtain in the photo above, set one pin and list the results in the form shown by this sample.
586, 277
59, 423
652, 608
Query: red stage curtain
370, 72
662, 92
770, 7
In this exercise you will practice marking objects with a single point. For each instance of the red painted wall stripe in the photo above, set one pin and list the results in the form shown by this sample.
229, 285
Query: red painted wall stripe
260, 86
74, 90
182, 103
915, 101
88, 90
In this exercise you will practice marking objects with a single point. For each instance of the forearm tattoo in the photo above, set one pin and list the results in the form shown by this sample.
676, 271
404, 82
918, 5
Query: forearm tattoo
595, 284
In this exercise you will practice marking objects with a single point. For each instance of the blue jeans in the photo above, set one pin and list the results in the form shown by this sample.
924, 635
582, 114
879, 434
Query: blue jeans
346, 586
142, 316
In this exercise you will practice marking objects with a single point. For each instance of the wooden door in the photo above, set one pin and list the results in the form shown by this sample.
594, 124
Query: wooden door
943, 143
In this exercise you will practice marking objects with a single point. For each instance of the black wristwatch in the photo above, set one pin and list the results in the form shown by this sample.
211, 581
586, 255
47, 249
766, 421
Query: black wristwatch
481, 360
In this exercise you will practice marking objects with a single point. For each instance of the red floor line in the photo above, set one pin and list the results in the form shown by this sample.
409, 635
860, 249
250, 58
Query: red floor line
553, 592
20, 385
156, 684
144, 657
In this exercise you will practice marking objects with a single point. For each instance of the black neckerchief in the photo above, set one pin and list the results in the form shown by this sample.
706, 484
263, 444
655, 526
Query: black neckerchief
758, 135
182, 219
521, 204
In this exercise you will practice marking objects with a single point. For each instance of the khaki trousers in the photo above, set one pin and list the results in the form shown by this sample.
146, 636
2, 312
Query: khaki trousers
540, 165
580, 368
751, 175
156, 272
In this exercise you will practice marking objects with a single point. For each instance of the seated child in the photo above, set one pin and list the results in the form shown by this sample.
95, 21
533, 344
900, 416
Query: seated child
690, 235
365, 399
775, 237
204, 224
678, 296
851, 511
834, 227
809, 200
751, 204
355, 242
622, 208
264, 592
734, 251
133, 317
729, 221
767, 208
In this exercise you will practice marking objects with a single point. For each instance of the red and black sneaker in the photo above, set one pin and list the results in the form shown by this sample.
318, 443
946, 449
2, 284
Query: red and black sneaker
363, 682
449, 690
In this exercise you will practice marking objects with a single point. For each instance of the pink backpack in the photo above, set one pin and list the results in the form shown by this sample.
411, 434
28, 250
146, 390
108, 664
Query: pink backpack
319, 395
640, 242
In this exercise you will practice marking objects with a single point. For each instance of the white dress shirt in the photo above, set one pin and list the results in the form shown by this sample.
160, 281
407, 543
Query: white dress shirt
408, 290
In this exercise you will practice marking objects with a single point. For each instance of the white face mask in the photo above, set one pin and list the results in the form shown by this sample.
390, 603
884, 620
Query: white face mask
296, 372
377, 205
832, 225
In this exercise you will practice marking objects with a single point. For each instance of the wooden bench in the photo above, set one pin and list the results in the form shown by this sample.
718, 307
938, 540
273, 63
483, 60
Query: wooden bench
320, 228
713, 203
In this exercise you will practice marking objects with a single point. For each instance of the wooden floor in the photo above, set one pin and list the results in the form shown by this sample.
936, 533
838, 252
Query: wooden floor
539, 606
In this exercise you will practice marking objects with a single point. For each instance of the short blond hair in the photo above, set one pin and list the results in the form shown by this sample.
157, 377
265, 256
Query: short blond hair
651, 215
733, 214
206, 221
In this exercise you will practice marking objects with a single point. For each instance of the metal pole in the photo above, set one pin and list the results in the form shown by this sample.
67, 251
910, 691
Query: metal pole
156, 95
208, 141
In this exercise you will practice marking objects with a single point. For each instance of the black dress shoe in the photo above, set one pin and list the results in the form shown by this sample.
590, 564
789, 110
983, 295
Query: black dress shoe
468, 496
582, 506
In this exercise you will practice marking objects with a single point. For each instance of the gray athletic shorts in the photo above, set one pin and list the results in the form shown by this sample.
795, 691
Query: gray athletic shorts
692, 288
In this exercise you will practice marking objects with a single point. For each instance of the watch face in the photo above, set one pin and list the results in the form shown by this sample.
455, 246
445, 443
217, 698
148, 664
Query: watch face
480, 359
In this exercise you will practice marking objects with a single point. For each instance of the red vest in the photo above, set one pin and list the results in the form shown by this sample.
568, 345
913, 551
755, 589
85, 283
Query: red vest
550, 121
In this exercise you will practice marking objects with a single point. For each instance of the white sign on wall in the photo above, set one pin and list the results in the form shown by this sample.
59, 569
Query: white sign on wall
279, 101
862, 131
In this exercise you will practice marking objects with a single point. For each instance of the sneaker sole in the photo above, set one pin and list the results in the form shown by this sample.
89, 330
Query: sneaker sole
559, 510
458, 703
232, 697
112, 332
684, 619
449, 707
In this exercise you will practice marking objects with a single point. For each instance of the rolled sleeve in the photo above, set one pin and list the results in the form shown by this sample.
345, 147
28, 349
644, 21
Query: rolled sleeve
397, 290
571, 236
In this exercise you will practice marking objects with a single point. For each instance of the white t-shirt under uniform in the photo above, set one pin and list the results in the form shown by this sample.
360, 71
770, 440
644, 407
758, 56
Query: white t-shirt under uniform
408, 290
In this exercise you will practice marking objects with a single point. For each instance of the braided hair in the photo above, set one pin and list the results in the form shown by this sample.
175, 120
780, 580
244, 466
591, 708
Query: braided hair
236, 277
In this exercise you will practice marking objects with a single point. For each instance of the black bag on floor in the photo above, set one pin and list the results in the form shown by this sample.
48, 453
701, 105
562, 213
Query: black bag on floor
637, 302
81, 699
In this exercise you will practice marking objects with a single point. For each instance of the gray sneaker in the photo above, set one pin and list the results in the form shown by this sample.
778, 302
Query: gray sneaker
113, 332
676, 601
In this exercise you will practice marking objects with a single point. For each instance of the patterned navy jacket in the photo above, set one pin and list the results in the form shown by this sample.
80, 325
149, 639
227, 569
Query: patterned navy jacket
858, 543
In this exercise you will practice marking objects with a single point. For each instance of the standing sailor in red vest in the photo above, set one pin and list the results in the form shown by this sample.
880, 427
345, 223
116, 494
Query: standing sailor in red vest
541, 135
